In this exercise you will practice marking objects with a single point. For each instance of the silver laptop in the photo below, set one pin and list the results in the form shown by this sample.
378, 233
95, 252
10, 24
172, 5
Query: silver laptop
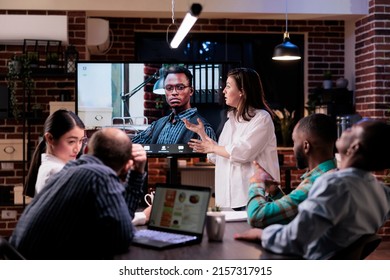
177, 217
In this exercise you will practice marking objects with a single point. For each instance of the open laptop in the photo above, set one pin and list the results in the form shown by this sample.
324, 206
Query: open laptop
177, 217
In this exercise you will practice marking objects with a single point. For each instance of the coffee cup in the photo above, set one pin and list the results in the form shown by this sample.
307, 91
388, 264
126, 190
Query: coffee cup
149, 198
215, 226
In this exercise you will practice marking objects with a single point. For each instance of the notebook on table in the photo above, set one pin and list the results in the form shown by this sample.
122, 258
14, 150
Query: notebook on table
235, 216
177, 217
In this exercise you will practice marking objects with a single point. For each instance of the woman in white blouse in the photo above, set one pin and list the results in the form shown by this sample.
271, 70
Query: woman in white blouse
248, 135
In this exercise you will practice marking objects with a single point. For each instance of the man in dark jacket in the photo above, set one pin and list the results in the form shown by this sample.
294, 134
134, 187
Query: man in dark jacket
171, 129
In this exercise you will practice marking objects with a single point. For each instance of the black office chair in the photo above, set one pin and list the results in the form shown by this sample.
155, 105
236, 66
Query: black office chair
8, 252
360, 249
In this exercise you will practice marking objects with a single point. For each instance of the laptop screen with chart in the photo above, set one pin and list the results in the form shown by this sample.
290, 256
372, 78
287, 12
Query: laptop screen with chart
180, 210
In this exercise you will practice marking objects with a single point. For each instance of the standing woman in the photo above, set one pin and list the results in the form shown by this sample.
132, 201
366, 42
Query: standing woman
248, 135
64, 136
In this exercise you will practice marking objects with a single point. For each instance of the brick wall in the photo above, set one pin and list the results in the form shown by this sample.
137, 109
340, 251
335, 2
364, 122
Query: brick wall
372, 61
7, 225
325, 50
372, 94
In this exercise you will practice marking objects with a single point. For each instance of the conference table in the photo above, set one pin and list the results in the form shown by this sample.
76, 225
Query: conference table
228, 249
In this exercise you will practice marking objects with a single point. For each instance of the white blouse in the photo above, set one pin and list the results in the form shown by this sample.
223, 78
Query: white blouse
50, 165
245, 141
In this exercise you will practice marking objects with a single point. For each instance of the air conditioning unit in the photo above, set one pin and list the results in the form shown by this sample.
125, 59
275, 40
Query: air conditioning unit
16, 28
98, 35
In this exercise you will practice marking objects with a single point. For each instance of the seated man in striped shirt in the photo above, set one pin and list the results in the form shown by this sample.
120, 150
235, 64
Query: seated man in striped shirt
85, 210
314, 140
171, 129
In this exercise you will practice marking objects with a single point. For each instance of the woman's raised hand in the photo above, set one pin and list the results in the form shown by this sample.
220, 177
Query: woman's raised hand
197, 128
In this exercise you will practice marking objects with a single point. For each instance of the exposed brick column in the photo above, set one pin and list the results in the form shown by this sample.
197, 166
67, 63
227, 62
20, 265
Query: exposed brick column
372, 94
372, 61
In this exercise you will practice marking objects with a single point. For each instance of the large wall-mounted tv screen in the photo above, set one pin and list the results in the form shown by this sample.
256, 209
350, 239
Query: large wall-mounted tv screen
121, 94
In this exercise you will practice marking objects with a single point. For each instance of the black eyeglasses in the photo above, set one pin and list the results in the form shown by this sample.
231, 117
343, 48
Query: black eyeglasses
178, 87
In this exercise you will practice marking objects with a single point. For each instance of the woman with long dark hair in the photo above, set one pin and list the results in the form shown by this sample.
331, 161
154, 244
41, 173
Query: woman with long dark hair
64, 136
248, 135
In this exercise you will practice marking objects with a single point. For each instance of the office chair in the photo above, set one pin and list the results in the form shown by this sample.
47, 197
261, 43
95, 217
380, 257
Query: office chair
360, 249
8, 252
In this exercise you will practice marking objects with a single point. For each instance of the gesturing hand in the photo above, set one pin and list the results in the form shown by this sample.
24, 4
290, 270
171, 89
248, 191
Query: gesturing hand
264, 178
197, 128
139, 157
205, 145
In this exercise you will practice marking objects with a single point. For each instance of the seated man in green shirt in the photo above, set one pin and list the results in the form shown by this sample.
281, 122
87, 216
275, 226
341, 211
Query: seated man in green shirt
314, 139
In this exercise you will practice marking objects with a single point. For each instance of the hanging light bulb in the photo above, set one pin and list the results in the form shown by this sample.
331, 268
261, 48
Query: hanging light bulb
286, 50
189, 20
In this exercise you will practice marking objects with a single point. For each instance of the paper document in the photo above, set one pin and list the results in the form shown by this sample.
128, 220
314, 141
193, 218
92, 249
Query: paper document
235, 216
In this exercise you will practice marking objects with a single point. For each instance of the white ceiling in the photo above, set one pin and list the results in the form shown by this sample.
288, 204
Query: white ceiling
234, 9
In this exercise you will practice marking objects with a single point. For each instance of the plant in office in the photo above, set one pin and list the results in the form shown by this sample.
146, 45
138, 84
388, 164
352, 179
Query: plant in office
285, 122
33, 59
18, 70
159, 102
215, 208
327, 82
52, 60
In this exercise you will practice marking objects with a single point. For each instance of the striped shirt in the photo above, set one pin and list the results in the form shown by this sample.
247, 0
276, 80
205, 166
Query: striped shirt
84, 212
281, 210
172, 130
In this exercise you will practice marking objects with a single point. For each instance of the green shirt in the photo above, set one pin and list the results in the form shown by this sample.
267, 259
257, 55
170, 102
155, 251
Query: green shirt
264, 210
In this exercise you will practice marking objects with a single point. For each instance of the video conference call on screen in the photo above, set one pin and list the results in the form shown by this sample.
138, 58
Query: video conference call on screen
120, 94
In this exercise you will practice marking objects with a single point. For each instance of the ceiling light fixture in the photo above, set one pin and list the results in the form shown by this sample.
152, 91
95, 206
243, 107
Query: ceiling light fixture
286, 50
189, 20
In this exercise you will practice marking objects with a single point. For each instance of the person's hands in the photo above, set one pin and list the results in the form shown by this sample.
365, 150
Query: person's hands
147, 211
197, 128
251, 235
139, 158
202, 146
264, 179
205, 145
260, 175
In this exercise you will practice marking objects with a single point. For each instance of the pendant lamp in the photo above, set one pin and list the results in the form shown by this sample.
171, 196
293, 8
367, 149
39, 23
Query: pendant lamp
286, 50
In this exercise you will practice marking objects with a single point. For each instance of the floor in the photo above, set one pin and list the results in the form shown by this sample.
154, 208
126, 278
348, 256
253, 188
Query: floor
381, 253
